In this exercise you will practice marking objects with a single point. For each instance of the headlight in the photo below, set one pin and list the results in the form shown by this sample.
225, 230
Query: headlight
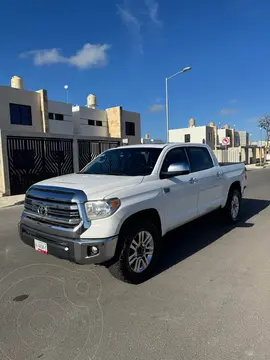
101, 209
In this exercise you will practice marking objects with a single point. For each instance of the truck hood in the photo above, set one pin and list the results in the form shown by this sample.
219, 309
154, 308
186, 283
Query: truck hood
94, 186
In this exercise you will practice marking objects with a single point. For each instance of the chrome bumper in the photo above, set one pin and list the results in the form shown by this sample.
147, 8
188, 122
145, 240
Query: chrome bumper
75, 250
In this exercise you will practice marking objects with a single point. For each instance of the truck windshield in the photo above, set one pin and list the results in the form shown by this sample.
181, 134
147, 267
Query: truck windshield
124, 162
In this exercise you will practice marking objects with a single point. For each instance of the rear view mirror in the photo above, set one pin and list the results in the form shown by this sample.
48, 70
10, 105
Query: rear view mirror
176, 169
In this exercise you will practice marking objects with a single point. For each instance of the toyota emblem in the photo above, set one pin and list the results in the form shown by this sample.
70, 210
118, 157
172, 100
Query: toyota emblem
42, 210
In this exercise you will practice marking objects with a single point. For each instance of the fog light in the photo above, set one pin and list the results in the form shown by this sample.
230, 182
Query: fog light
94, 250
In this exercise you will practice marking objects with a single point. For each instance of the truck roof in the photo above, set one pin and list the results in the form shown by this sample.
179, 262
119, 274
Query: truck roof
162, 146
159, 146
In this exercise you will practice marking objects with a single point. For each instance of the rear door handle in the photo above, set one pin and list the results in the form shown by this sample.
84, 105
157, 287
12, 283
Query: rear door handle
193, 180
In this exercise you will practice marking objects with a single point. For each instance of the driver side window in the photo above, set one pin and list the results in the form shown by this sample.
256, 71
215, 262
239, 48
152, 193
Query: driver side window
177, 155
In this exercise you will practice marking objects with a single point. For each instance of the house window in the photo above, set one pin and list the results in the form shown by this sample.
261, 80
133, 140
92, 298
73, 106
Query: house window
91, 122
51, 117
130, 128
99, 123
59, 116
187, 138
20, 114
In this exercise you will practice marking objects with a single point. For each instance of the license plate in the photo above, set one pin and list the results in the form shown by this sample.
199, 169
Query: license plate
41, 246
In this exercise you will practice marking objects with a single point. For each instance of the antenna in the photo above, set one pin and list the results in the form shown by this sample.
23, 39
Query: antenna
66, 88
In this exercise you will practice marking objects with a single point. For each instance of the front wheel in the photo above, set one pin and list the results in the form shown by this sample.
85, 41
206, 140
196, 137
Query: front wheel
233, 206
140, 245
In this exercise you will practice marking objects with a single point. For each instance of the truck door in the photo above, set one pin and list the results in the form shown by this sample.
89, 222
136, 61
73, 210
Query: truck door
180, 193
206, 174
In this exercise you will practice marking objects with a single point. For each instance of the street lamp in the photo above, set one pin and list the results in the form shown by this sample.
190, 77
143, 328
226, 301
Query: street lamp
261, 147
167, 97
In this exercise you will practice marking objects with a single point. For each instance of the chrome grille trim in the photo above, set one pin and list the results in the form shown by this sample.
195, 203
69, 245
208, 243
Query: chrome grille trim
62, 210
52, 219
56, 205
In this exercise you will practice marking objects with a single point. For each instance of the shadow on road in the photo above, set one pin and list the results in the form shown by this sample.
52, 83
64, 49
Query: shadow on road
196, 235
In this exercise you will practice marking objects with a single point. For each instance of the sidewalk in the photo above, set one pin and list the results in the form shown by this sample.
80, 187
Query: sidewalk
254, 167
6, 201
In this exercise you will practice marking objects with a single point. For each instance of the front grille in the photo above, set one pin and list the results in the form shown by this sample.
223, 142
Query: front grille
63, 214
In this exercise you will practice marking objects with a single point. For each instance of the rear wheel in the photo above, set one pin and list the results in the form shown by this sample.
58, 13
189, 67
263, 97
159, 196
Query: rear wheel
140, 245
233, 205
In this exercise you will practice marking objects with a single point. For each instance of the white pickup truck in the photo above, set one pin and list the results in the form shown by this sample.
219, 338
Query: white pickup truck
117, 209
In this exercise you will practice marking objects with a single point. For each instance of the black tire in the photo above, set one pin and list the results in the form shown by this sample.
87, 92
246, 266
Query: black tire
120, 268
230, 215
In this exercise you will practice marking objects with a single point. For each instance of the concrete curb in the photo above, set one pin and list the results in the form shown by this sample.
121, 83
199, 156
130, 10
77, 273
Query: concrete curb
8, 201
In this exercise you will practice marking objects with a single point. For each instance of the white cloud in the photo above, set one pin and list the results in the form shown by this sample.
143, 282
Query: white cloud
133, 25
156, 108
128, 18
227, 111
152, 7
91, 55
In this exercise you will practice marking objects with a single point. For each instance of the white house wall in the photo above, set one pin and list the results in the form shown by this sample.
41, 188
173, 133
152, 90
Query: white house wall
65, 126
129, 116
197, 134
75, 118
81, 116
22, 97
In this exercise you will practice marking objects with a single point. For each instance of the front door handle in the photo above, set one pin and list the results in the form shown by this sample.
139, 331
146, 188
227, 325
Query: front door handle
193, 180
219, 174
166, 190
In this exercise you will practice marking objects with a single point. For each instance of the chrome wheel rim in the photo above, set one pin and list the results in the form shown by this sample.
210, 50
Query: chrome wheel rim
235, 206
141, 251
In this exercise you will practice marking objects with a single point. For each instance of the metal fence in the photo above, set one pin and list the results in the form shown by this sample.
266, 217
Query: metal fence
89, 149
32, 159
232, 155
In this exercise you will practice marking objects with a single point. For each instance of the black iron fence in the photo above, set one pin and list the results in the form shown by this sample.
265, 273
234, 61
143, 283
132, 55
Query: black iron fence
32, 159
88, 150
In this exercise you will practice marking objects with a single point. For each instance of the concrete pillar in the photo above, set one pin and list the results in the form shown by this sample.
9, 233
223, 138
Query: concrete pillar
4, 170
114, 116
233, 141
44, 110
215, 137
75, 155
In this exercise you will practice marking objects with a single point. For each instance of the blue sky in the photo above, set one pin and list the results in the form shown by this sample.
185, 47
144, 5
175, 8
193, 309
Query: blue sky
122, 52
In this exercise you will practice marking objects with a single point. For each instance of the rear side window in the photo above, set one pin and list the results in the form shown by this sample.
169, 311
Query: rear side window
177, 155
199, 159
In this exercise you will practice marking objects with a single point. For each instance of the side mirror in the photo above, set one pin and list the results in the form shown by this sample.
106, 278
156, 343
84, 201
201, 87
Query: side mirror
176, 169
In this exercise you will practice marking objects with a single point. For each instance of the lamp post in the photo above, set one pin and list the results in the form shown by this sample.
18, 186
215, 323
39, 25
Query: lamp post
66, 88
167, 97
261, 147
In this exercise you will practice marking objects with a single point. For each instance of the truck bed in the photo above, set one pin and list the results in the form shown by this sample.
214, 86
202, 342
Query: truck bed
229, 163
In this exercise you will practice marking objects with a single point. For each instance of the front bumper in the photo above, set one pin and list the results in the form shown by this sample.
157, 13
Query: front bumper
75, 250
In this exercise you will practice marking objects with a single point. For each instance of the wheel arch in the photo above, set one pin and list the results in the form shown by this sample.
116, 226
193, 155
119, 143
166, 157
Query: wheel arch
235, 185
151, 214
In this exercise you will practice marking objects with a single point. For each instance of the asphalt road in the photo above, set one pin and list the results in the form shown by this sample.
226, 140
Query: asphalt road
209, 300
